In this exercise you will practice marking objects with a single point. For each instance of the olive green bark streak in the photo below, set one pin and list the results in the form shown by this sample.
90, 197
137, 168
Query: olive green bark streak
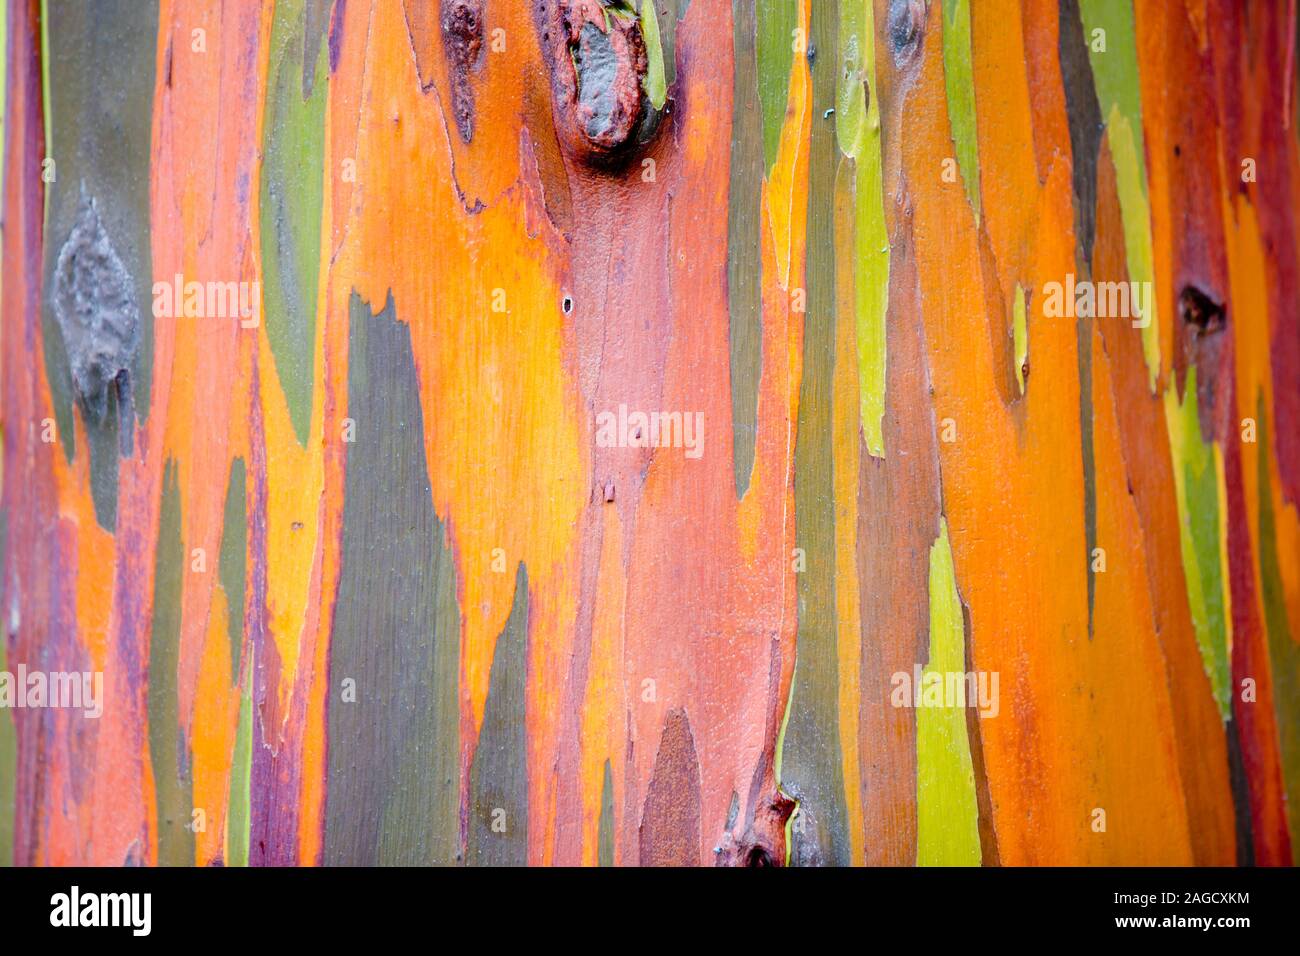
1110, 33
168, 751
777, 23
315, 32
394, 744
498, 781
1083, 339
233, 562
232, 565
435, 776
656, 84
98, 81
668, 14
1084, 117
291, 201
241, 775
1283, 652
1196, 483
8, 735
605, 838
857, 128
744, 262
959, 82
811, 761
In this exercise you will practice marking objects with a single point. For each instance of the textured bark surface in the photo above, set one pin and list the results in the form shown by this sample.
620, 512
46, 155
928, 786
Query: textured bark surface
337, 340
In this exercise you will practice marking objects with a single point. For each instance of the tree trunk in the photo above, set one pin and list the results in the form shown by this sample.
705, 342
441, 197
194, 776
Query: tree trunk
674, 432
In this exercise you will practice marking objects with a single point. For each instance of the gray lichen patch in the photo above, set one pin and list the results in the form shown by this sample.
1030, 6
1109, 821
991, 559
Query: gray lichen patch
97, 315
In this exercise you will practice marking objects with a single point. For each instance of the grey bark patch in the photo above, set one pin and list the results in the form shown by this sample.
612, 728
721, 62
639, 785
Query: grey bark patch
597, 67
1083, 114
98, 317
393, 792
101, 63
316, 17
906, 27
498, 781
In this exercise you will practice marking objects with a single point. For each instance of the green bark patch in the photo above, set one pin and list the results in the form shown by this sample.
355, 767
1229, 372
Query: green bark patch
959, 81
744, 268
393, 710
233, 561
1283, 651
98, 81
777, 22
168, 751
947, 807
291, 203
1197, 486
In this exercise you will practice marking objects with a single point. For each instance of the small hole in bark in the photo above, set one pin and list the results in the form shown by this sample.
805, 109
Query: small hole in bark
759, 856
1198, 309
567, 305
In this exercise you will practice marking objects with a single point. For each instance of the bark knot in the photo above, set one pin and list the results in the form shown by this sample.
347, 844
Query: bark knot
598, 63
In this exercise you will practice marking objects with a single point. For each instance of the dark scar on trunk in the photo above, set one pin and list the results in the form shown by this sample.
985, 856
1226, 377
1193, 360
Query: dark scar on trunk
98, 318
462, 35
906, 24
1199, 310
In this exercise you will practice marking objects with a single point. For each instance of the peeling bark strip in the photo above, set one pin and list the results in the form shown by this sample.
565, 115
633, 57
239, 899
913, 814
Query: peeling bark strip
366, 585
598, 61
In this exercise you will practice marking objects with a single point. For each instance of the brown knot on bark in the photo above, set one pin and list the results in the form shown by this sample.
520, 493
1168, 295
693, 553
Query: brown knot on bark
763, 843
1199, 311
597, 59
